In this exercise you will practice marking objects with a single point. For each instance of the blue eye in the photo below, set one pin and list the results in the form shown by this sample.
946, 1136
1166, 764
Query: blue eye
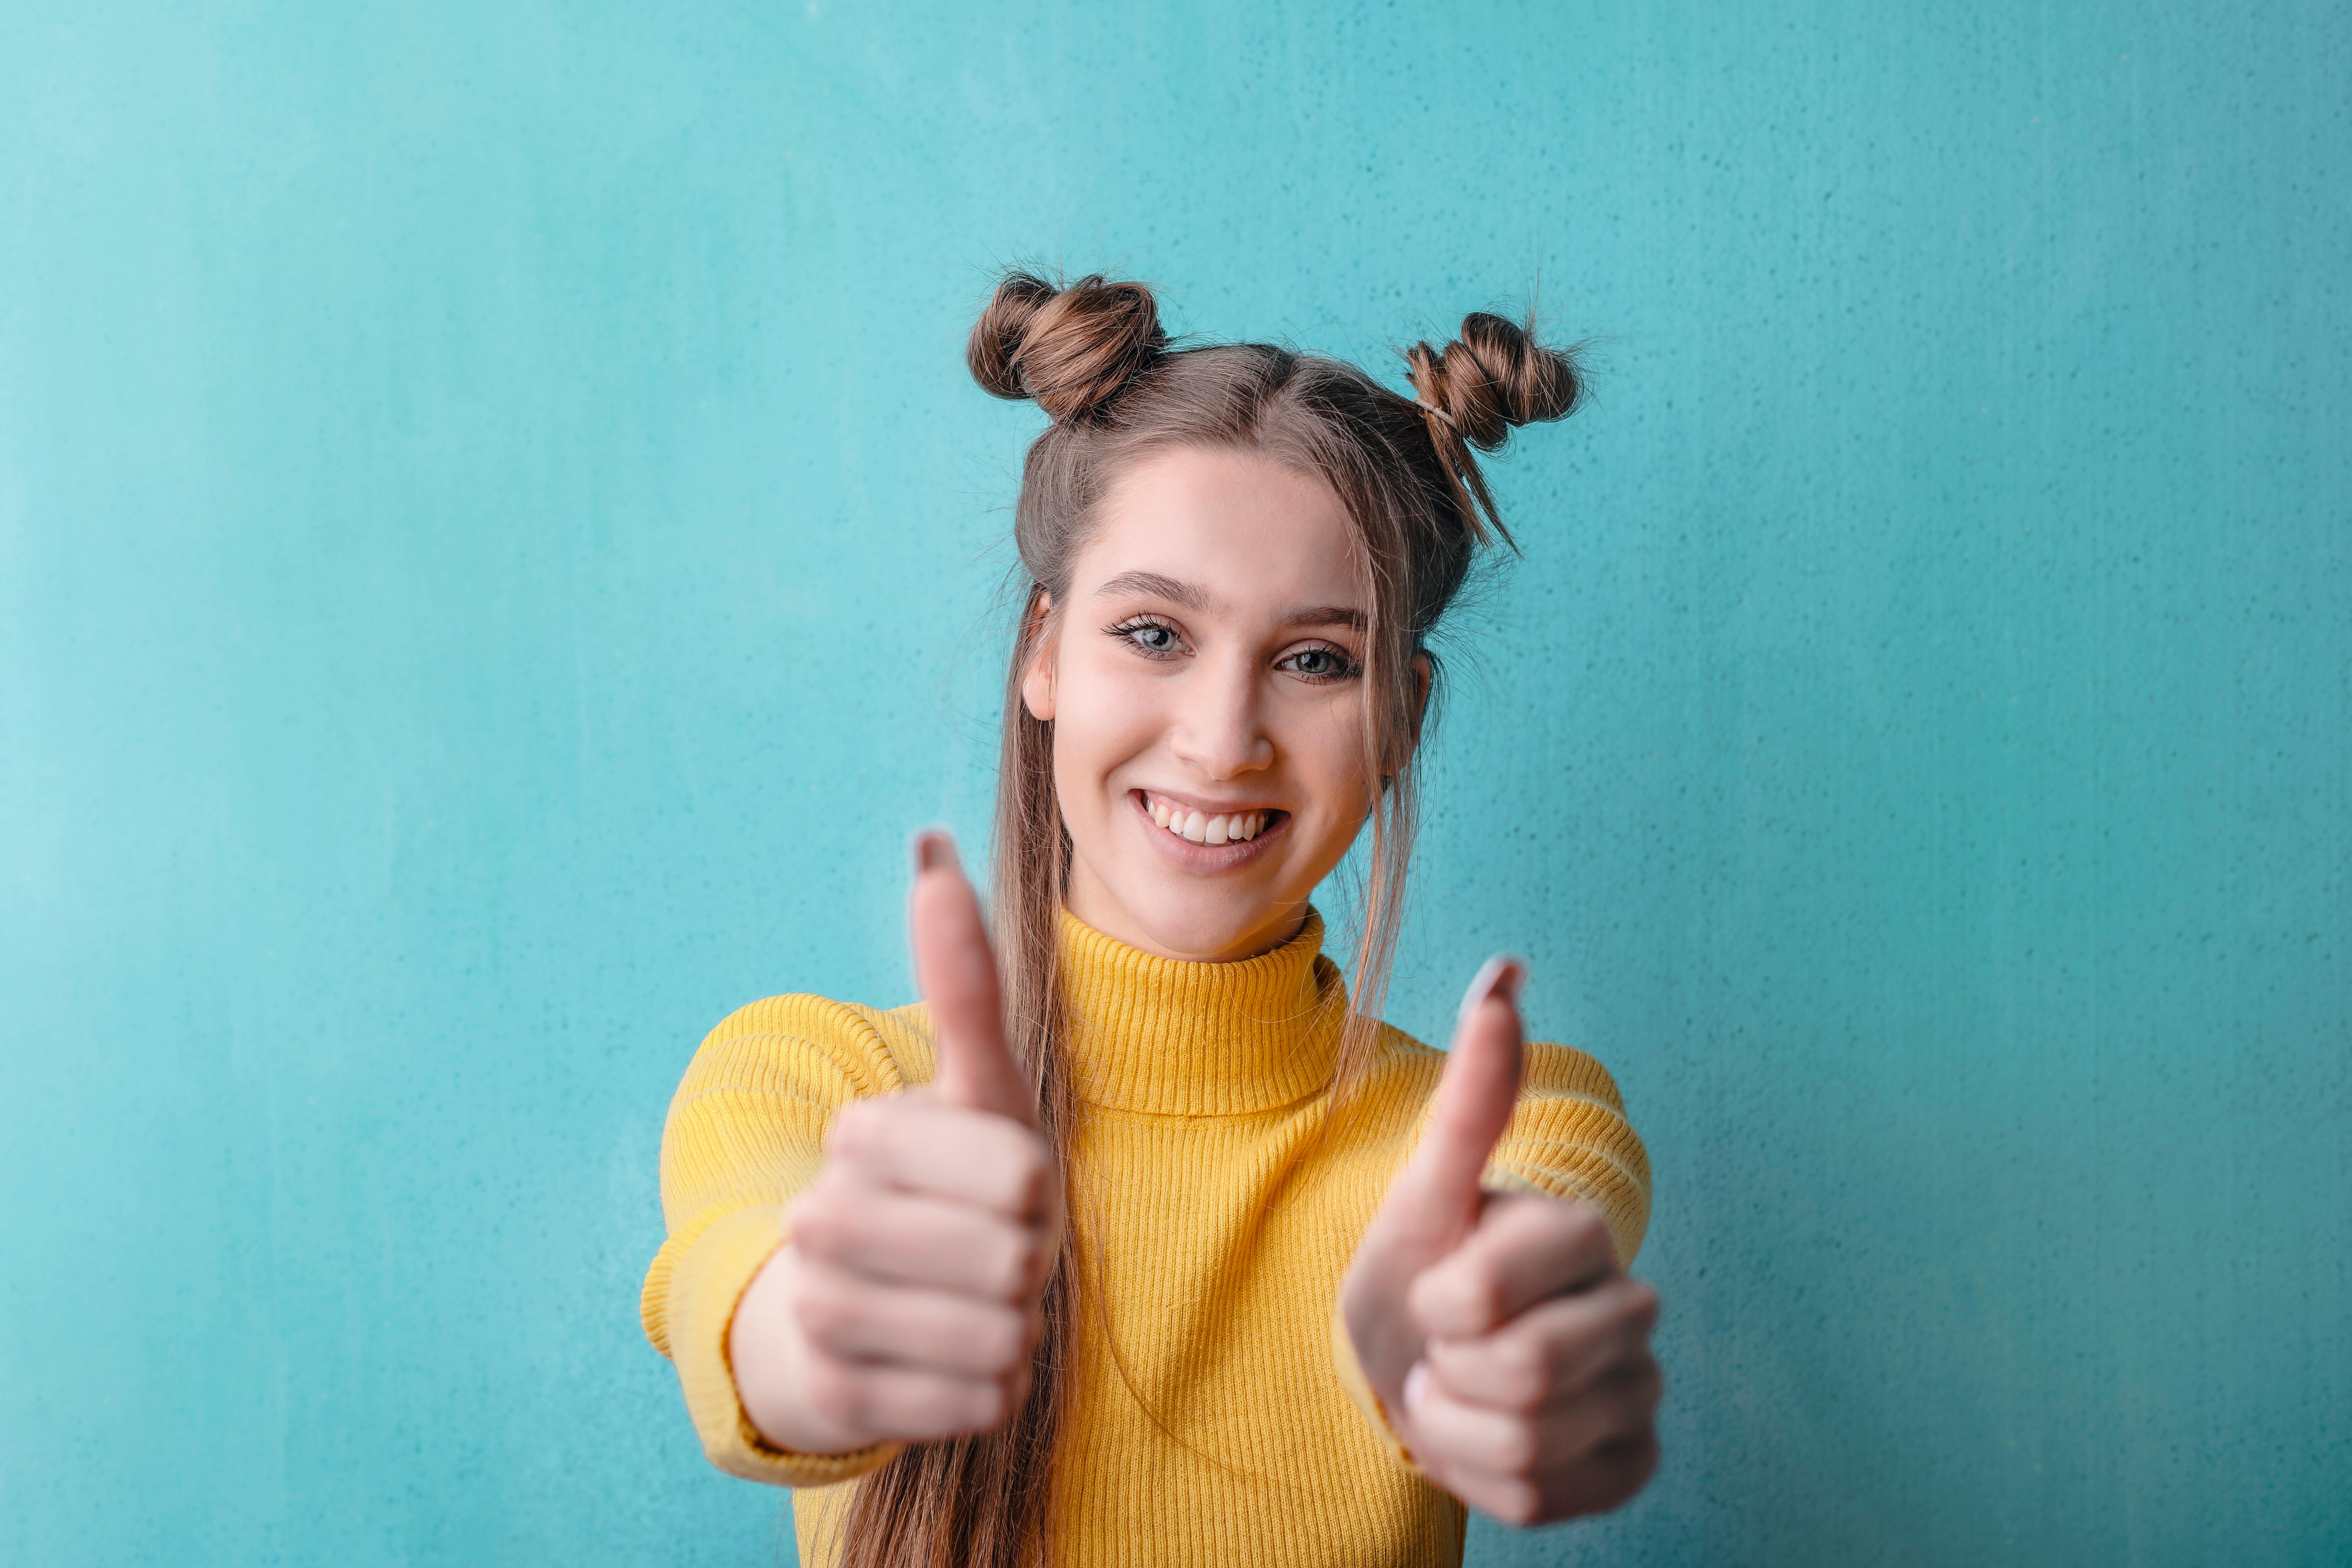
1152, 639
1320, 662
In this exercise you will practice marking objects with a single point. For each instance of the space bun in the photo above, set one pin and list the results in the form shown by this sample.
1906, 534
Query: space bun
1071, 349
1492, 378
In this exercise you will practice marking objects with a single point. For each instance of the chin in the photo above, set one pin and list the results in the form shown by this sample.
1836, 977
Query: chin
1202, 923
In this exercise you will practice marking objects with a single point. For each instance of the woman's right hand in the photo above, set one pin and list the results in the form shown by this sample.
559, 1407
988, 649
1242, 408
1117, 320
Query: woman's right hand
904, 1305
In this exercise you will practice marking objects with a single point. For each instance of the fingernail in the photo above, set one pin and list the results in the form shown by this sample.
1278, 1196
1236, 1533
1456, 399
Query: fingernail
1501, 976
1416, 1381
933, 848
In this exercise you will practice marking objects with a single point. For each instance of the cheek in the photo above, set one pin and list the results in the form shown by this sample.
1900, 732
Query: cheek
1326, 754
1103, 717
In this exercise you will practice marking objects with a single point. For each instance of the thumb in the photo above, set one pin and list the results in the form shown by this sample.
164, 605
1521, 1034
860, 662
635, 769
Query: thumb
1438, 1188
956, 975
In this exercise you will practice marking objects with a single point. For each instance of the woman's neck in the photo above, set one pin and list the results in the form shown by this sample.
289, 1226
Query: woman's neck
1092, 900
1171, 1036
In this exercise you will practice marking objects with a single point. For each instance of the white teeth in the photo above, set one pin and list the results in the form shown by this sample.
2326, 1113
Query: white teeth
1226, 827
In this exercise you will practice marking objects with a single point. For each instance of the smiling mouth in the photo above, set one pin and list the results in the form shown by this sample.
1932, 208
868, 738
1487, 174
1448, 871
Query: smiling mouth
1197, 827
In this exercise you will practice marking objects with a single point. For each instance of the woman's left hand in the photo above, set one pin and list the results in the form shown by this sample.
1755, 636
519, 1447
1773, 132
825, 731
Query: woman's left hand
1511, 1353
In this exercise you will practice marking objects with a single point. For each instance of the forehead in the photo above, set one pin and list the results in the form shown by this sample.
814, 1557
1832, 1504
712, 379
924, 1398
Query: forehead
1252, 533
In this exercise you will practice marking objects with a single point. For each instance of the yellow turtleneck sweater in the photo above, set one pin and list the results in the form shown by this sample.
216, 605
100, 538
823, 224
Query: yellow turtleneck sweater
1216, 1218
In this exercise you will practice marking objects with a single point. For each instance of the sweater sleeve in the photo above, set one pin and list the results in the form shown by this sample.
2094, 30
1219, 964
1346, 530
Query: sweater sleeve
1569, 1139
745, 1133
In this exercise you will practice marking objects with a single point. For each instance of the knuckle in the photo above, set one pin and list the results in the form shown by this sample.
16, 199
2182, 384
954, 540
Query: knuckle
1015, 1384
1584, 1225
1457, 1295
824, 1201
985, 1262
986, 1403
812, 1225
826, 1316
827, 1231
1642, 1303
1024, 1154
1016, 1265
977, 1407
1002, 1336
814, 1306
1522, 1373
1016, 1164
1031, 1171
1438, 1302
982, 1337
1511, 1450
1515, 1503
838, 1393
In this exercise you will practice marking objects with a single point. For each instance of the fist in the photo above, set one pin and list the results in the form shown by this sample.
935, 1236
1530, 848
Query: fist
1536, 1395
906, 1300
1510, 1350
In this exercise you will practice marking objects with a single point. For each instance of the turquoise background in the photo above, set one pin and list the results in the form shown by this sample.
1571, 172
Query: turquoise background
496, 554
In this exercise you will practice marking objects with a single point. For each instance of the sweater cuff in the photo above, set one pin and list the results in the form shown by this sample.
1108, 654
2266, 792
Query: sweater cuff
1359, 1389
705, 1285
1625, 1212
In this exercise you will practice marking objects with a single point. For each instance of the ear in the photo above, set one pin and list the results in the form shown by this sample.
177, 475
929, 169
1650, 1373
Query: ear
1038, 681
1394, 761
1424, 673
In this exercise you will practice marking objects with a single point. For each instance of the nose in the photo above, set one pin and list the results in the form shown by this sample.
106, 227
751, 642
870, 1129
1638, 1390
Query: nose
1219, 730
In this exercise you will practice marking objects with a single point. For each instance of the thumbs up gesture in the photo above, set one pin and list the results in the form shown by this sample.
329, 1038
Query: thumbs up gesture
904, 1302
1510, 1352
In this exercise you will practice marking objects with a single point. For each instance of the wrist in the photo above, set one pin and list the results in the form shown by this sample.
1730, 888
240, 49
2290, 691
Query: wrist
769, 1358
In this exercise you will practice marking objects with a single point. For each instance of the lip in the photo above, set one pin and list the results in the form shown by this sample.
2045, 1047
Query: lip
1207, 859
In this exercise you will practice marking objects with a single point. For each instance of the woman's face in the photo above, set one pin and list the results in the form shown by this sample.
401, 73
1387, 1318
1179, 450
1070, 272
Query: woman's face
1205, 679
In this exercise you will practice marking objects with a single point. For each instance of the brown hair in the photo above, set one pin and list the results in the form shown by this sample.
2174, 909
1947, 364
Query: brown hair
1092, 354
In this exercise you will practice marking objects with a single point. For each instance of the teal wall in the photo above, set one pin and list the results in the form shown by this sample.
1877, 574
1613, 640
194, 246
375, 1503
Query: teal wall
495, 555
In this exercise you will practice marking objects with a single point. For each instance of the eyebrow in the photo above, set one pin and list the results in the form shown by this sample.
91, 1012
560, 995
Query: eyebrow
1152, 585
1190, 596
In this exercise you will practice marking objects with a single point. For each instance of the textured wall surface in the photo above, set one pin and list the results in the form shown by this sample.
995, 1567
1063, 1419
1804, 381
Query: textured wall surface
496, 552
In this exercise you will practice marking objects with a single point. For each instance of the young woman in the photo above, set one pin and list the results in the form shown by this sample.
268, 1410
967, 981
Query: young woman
1138, 1242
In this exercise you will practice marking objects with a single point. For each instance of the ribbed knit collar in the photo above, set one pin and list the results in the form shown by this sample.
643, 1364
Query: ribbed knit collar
1200, 1039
